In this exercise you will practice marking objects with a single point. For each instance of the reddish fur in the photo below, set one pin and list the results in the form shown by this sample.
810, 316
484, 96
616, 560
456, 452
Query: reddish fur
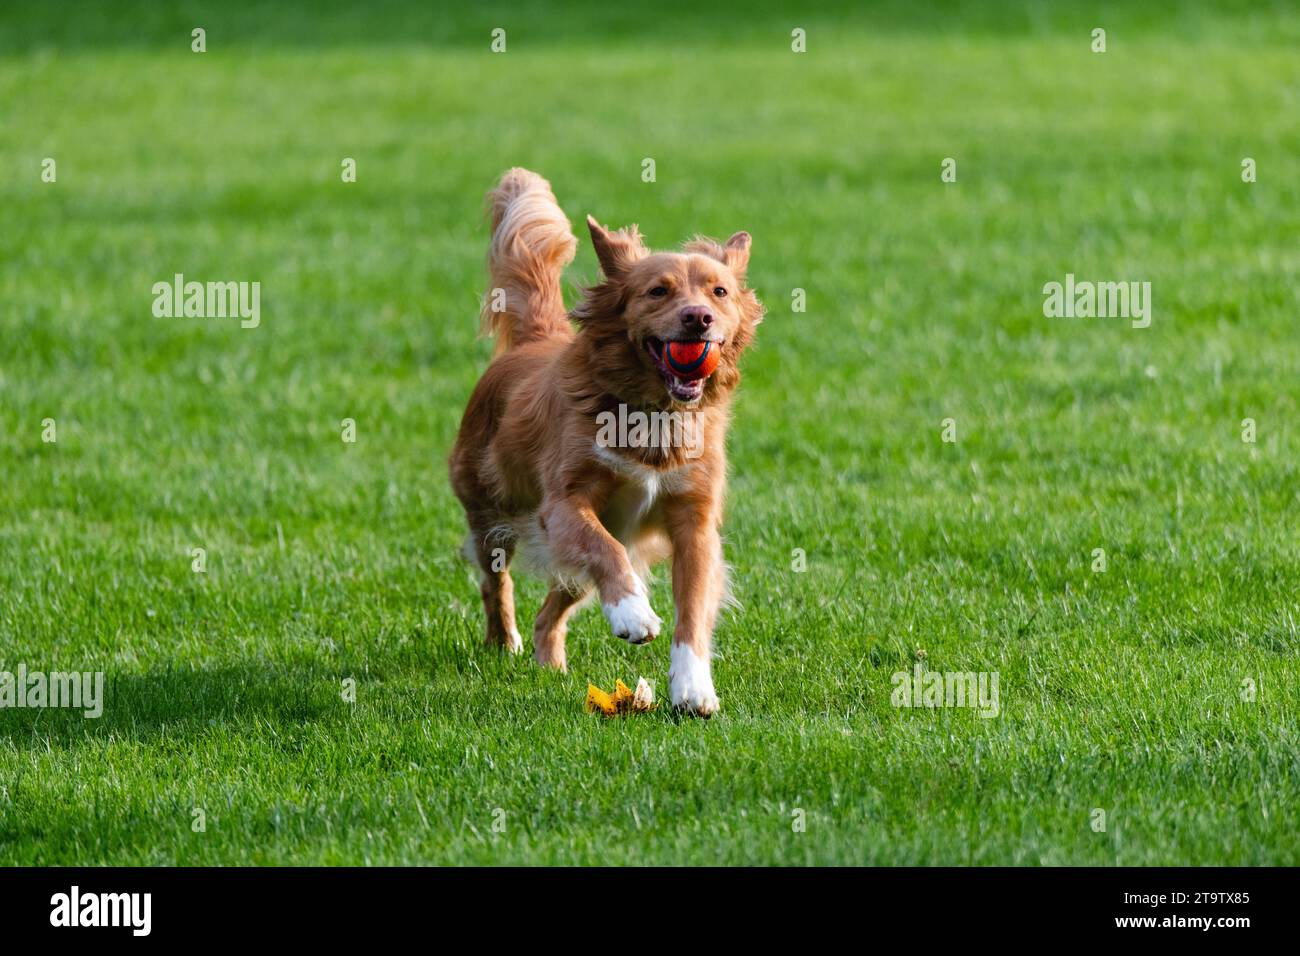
532, 242
526, 441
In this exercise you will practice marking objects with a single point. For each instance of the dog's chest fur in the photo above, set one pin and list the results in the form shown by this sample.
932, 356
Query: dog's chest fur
632, 507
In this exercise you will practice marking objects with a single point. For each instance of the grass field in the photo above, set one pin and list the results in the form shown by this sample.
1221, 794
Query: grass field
1120, 691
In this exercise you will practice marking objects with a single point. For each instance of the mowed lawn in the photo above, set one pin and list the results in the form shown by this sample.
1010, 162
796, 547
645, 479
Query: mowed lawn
1162, 691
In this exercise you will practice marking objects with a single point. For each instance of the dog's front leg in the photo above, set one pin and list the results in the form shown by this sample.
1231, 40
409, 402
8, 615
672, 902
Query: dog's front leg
578, 540
699, 580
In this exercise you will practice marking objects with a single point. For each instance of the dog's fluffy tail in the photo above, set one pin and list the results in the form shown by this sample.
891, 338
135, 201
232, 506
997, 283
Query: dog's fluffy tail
532, 242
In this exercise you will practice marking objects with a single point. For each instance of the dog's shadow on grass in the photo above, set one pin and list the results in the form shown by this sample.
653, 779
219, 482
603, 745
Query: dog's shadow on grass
181, 703
187, 702
321, 685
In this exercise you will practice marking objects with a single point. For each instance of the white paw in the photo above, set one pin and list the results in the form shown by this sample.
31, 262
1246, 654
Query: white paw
691, 682
632, 618
514, 643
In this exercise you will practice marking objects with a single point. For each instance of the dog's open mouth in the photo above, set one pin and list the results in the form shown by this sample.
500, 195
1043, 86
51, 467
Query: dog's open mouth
682, 387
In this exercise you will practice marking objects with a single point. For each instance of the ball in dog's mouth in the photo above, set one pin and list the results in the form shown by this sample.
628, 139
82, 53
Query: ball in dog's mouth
684, 365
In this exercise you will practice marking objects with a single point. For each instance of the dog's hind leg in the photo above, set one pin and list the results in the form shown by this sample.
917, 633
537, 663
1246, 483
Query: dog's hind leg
553, 624
492, 554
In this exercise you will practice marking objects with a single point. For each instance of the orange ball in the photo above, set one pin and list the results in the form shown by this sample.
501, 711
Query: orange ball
691, 360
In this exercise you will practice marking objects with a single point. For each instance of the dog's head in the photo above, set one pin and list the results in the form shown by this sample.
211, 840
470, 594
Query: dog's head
650, 299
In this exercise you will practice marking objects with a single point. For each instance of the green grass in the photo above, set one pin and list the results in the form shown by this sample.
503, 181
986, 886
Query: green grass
1119, 691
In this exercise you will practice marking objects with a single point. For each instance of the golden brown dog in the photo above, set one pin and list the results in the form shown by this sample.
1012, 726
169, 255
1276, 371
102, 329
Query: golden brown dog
584, 451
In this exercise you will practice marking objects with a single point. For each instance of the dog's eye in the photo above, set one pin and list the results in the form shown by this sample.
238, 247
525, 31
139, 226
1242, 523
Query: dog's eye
658, 292
720, 292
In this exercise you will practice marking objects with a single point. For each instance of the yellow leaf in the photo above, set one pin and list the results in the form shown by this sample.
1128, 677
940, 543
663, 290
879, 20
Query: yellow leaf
622, 697
599, 702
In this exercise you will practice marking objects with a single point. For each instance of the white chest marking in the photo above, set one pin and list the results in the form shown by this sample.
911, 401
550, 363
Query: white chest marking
655, 479
642, 487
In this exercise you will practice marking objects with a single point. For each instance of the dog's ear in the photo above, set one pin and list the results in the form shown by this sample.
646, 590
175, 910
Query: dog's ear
616, 250
736, 254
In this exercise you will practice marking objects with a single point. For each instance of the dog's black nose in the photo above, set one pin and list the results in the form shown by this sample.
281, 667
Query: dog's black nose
696, 318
